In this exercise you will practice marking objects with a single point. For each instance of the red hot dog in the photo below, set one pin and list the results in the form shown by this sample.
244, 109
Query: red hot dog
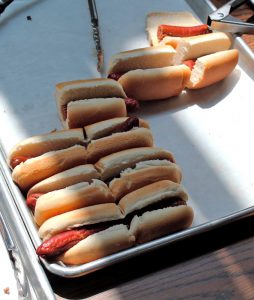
32, 199
15, 161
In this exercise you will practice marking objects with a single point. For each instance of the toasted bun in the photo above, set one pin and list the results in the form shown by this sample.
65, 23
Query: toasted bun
76, 218
137, 137
66, 178
155, 19
196, 46
84, 112
155, 84
144, 58
36, 169
151, 194
212, 68
104, 128
144, 173
112, 165
40, 144
157, 223
85, 89
98, 245
71, 198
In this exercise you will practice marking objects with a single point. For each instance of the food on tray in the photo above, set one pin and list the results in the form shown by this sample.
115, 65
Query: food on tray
143, 58
123, 136
84, 102
70, 198
212, 68
66, 178
144, 173
111, 165
90, 233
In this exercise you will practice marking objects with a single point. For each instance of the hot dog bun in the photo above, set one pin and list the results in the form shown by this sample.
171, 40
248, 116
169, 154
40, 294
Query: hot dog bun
143, 58
66, 178
112, 165
38, 145
155, 19
85, 89
104, 128
95, 214
144, 173
98, 245
212, 68
84, 112
36, 169
136, 137
196, 46
155, 84
71, 198
150, 194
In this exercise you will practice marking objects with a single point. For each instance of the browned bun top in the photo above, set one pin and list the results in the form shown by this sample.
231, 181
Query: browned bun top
151, 194
70, 198
41, 167
112, 165
143, 58
104, 128
40, 144
86, 89
66, 178
76, 218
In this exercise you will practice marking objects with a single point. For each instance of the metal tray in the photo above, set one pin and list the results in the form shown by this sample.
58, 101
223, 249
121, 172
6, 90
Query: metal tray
208, 130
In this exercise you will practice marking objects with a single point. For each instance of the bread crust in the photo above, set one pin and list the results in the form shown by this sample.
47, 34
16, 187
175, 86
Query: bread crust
39, 168
98, 245
71, 198
151, 194
40, 144
85, 89
137, 137
154, 19
143, 58
85, 112
212, 68
111, 165
160, 222
135, 179
200, 45
104, 128
76, 218
83, 173
155, 84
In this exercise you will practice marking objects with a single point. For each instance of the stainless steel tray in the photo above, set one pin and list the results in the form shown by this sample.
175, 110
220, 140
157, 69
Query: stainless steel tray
207, 130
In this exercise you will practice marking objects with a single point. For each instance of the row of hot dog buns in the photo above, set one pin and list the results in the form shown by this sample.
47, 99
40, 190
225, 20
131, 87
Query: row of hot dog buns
87, 211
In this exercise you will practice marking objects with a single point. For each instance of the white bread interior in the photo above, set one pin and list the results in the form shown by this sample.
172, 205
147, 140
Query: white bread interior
70, 198
134, 138
212, 68
34, 170
98, 245
154, 19
40, 144
155, 84
66, 178
144, 173
143, 58
104, 128
112, 165
76, 218
150, 194
84, 112
85, 89
196, 46
160, 222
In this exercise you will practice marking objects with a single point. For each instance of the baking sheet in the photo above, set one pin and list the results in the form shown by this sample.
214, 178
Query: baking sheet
209, 130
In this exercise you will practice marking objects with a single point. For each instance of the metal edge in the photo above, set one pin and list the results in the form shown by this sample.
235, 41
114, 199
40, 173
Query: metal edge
34, 270
13, 194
